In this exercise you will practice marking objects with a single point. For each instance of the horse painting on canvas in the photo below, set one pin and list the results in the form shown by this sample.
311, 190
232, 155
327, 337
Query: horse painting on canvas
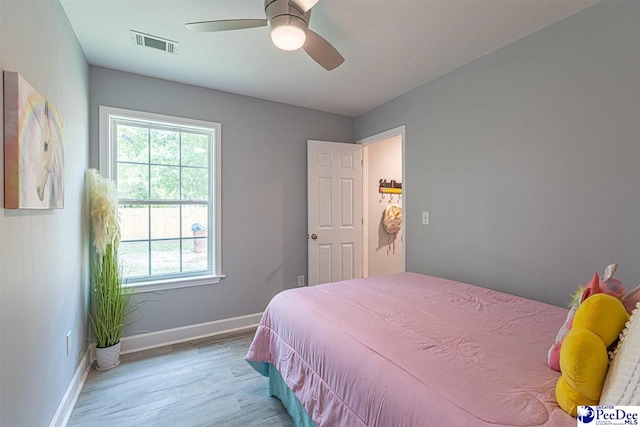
34, 148
50, 179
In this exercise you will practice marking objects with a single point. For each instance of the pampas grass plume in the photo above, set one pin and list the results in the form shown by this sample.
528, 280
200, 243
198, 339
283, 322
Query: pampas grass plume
103, 199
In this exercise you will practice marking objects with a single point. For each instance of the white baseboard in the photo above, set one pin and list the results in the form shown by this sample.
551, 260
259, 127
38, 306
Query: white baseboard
144, 342
70, 397
150, 340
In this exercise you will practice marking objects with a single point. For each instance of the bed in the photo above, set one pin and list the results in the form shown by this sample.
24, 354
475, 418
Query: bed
409, 350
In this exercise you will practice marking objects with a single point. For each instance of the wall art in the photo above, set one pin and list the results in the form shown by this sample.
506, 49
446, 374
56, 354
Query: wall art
33, 148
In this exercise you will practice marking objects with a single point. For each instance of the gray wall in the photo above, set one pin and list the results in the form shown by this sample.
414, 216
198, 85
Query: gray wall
527, 159
264, 205
43, 263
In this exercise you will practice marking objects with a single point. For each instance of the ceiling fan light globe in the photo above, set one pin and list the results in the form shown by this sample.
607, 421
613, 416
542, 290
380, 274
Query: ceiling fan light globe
288, 37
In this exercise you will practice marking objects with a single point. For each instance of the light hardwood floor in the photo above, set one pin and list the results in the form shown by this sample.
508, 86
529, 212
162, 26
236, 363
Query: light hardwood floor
200, 383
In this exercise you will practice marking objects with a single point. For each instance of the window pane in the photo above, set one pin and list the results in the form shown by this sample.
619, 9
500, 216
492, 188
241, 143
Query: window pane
194, 220
165, 182
194, 255
165, 257
134, 222
165, 147
161, 163
133, 181
134, 257
165, 222
133, 144
194, 184
195, 150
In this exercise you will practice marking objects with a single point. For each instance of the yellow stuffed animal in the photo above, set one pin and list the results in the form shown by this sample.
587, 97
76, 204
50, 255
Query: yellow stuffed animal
583, 356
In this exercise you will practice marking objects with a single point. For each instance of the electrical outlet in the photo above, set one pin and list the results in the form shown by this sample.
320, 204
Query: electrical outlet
425, 217
300, 281
68, 343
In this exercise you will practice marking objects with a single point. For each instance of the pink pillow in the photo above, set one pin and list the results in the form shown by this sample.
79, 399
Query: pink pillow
631, 299
553, 357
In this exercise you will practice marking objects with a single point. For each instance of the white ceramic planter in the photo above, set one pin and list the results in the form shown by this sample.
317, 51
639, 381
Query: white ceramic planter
108, 357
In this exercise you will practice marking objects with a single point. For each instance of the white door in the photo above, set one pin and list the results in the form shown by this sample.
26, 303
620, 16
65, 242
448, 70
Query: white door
334, 185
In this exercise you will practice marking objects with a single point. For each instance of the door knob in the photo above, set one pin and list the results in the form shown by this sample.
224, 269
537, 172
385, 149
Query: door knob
314, 236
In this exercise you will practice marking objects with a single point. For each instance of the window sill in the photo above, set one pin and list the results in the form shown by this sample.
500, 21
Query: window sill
187, 282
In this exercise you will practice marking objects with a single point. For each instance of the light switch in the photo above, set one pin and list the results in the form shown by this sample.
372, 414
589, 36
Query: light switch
425, 217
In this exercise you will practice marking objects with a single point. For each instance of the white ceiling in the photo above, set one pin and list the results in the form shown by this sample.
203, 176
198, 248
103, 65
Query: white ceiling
390, 46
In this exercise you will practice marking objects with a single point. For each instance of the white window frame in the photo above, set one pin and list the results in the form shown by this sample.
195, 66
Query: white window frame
107, 168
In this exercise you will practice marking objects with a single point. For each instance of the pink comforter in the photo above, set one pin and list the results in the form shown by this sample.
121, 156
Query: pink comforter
413, 350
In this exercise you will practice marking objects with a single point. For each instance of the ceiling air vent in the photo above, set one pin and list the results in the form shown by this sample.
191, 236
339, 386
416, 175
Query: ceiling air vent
154, 42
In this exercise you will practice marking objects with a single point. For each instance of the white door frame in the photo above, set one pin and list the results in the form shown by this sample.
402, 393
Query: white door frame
400, 130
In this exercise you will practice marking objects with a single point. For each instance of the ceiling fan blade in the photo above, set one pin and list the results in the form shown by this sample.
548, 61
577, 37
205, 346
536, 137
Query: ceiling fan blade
305, 5
322, 51
225, 25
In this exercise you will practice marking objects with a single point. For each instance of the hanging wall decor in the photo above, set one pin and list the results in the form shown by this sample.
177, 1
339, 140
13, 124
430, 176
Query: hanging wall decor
33, 148
391, 187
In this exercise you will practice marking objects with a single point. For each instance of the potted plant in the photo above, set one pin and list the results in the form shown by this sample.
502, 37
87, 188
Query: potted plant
110, 299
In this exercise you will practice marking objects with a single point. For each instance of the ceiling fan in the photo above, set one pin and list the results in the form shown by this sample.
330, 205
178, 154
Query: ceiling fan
288, 22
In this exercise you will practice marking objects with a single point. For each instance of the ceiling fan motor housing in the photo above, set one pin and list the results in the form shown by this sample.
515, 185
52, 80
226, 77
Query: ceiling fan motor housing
285, 12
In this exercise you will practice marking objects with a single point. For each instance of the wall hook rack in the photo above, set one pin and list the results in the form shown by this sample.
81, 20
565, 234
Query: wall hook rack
390, 187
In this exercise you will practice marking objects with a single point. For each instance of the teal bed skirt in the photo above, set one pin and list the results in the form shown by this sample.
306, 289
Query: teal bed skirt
279, 389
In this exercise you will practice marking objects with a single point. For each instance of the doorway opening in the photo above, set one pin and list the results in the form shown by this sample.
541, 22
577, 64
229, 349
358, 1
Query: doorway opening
383, 159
